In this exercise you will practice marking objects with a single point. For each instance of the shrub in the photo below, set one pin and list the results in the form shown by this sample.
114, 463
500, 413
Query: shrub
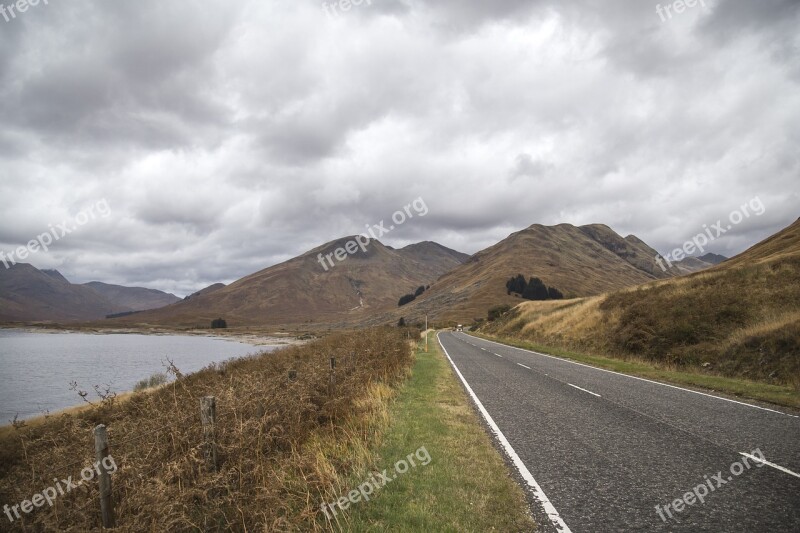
153, 381
497, 311
419, 290
407, 299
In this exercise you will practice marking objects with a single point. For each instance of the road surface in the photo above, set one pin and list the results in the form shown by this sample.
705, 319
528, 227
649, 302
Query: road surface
604, 452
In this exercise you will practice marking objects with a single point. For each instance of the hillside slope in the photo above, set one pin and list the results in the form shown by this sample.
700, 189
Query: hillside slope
134, 298
740, 318
29, 294
301, 291
579, 261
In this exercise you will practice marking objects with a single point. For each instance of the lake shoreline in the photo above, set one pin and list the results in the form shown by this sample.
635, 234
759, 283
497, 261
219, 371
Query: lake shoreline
253, 339
140, 351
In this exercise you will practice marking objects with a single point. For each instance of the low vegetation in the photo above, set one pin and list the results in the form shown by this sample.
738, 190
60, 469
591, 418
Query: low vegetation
740, 322
153, 381
284, 445
497, 311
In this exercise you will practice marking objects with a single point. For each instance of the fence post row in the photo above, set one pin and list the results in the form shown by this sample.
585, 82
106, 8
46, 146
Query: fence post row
208, 415
104, 478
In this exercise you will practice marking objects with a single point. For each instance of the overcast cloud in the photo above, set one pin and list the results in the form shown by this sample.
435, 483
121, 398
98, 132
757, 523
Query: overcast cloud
230, 136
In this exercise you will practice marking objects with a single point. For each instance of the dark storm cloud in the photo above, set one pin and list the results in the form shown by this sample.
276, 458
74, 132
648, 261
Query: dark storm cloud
229, 137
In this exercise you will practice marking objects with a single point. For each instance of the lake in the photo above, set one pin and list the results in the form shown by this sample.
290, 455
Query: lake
36, 368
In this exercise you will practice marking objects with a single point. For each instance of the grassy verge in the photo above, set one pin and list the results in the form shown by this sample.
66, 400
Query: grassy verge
776, 394
466, 485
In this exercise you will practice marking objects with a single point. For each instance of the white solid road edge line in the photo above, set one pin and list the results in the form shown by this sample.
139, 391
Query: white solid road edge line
773, 465
538, 493
636, 377
584, 390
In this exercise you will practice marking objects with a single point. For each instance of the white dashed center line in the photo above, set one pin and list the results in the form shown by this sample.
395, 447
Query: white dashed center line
584, 390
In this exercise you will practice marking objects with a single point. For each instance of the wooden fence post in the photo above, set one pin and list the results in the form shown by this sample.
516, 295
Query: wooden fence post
208, 415
332, 385
104, 478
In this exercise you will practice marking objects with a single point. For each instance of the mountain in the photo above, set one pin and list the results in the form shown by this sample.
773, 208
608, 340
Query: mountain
579, 261
713, 259
55, 274
311, 289
740, 318
207, 290
29, 294
696, 264
133, 298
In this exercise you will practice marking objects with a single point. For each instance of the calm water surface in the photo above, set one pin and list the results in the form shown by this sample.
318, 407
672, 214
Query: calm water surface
37, 368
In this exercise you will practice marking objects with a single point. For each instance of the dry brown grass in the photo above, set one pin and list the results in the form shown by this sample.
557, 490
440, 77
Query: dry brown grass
283, 446
741, 321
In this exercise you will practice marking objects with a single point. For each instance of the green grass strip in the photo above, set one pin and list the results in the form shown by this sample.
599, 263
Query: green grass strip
466, 486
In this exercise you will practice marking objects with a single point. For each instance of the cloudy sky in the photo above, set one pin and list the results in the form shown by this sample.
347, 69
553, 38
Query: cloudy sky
225, 137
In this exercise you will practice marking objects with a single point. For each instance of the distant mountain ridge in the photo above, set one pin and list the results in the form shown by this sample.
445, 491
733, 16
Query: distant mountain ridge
309, 290
322, 289
134, 298
28, 294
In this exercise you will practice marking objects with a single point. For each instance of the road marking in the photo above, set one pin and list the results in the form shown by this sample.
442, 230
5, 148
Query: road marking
498, 355
584, 390
523, 366
642, 379
538, 493
773, 465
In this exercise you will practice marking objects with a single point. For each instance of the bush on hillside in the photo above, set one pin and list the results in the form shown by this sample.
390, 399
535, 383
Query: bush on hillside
497, 311
407, 299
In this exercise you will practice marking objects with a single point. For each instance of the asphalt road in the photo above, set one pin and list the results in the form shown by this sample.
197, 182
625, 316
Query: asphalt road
599, 450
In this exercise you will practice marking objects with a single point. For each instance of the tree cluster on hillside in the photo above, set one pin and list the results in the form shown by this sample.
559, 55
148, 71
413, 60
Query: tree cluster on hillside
408, 298
219, 323
534, 289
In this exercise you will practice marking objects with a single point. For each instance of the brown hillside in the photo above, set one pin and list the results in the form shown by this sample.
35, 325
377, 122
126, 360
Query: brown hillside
740, 318
579, 261
136, 298
29, 294
300, 291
